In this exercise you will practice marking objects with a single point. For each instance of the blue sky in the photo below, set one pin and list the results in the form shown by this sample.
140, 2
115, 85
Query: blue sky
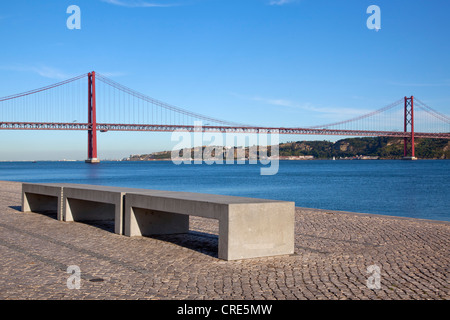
265, 62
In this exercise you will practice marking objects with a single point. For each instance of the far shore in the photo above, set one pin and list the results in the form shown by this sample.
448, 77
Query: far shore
149, 160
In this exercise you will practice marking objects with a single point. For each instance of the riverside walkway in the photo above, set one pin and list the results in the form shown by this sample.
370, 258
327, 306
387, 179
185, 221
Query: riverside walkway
406, 259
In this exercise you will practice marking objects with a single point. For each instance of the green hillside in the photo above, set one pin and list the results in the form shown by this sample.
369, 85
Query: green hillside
381, 147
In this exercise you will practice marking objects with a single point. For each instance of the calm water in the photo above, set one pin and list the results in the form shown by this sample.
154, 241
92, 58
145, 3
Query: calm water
418, 189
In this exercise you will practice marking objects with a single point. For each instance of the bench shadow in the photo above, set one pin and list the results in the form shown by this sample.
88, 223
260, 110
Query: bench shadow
106, 225
48, 213
204, 243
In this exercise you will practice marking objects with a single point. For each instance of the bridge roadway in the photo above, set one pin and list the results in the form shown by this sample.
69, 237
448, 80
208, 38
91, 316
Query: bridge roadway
333, 252
222, 129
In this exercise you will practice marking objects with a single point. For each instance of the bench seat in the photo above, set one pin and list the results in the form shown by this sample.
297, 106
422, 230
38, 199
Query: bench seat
82, 202
248, 227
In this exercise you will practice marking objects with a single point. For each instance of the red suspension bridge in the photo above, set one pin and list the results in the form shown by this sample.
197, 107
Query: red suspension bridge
114, 107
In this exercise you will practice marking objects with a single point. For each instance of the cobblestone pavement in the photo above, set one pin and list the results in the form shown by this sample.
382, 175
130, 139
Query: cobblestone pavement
333, 253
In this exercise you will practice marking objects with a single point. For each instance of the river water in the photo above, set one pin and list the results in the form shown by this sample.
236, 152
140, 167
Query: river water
417, 189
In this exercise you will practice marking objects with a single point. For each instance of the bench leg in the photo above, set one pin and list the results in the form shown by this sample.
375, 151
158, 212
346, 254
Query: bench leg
25, 203
255, 230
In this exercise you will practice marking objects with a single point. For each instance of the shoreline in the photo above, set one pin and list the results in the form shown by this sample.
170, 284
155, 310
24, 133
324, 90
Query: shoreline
332, 211
375, 215
153, 160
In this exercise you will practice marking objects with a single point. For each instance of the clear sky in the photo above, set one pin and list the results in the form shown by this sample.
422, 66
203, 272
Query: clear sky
266, 62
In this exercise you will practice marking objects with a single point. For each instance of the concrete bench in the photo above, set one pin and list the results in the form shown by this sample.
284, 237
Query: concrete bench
93, 202
248, 227
78, 202
42, 197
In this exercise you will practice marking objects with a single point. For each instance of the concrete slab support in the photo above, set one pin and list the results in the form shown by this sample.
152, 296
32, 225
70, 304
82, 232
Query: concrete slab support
89, 202
42, 198
248, 227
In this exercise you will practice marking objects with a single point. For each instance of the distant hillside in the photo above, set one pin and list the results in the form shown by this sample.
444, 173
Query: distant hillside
378, 147
382, 147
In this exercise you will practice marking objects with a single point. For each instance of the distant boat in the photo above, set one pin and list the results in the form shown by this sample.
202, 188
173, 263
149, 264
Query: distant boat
334, 158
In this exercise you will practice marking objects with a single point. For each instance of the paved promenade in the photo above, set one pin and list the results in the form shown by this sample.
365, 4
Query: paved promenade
407, 259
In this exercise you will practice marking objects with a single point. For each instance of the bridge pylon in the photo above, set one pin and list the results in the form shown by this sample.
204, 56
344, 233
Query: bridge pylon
92, 120
408, 142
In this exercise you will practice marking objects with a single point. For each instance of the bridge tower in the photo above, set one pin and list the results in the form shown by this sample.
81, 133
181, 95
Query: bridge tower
408, 153
92, 120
